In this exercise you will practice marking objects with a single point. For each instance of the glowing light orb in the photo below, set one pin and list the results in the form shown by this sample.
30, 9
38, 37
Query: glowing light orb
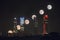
49, 7
18, 27
27, 21
41, 12
33, 16
10, 31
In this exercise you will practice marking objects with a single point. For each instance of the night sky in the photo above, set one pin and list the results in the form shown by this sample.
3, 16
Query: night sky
10, 9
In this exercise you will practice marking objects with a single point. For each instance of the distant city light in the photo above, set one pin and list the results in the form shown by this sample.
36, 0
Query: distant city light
18, 27
49, 7
14, 31
22, 28
10, 31
27, 21
15, 18
33, 16
22, 20
41, 12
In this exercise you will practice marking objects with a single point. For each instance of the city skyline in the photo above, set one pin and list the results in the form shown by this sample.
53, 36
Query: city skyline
11, 9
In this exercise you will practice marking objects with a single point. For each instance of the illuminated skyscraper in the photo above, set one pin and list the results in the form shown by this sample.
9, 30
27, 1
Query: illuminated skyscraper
15, 23
22, 21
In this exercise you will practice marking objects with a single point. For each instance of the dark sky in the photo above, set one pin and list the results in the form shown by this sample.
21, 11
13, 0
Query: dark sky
10, 9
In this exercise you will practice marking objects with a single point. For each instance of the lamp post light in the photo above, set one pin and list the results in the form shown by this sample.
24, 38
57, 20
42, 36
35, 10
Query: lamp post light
49, 7
41, 12
27, 21
34, 16
18, 27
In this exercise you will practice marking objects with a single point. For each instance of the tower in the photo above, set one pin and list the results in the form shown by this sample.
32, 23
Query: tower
45, 22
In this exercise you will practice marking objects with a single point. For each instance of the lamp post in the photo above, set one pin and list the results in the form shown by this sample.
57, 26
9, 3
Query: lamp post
35, 20
34, 17
45, 21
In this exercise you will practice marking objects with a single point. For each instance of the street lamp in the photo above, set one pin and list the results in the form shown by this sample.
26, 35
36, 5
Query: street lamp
41, 12
33, 16
49, 7
27, 21
18, 27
